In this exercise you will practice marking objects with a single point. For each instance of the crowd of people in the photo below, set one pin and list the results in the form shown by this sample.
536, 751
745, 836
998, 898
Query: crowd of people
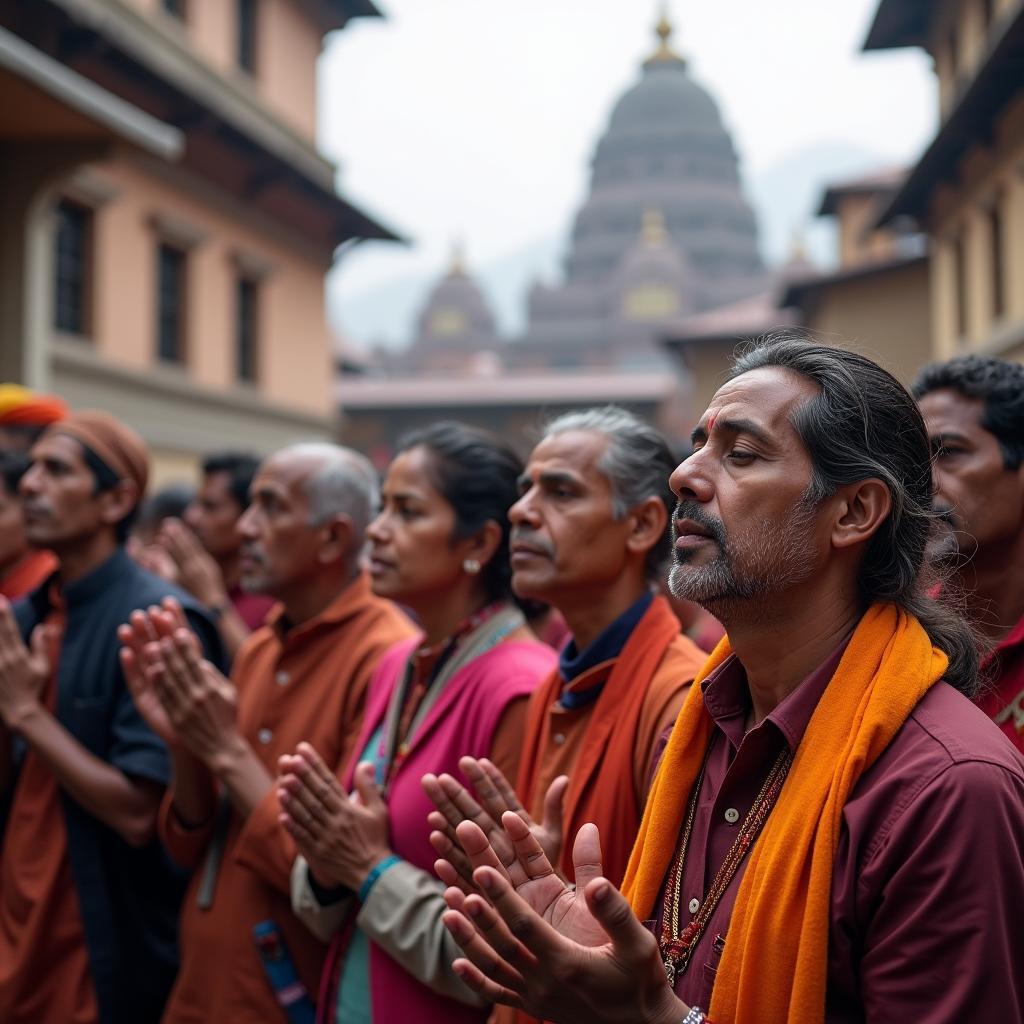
602, 736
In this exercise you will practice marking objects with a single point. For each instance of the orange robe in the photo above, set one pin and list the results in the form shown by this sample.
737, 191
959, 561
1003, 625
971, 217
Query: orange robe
307, 684
44, 962
29, 573
606, 747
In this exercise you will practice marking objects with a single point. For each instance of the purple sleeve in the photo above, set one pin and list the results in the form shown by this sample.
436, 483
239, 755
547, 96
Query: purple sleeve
942, 898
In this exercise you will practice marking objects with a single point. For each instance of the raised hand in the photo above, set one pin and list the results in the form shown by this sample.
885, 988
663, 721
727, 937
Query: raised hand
201, 704
496, 796
523, 948
23, 670
143, 628
342, 838
196, 569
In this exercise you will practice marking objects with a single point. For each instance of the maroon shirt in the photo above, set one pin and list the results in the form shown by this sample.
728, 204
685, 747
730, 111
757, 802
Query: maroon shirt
252, 609
1003, 696
927, 917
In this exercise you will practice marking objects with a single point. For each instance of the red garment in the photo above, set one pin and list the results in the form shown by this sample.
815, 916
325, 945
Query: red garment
44, 962
1003, 699
31, 572
602, 786
252, 609
914, 936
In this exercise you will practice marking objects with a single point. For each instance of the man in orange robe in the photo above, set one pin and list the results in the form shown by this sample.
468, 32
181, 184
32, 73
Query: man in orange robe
301, 677
590, 537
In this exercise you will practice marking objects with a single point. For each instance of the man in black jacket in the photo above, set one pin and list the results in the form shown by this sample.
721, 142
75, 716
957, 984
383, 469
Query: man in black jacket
88, 900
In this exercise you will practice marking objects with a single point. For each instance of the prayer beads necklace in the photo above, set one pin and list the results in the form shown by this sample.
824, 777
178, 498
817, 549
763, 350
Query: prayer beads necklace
677, 946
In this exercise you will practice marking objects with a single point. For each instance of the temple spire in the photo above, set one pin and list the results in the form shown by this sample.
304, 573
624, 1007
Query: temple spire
663, 30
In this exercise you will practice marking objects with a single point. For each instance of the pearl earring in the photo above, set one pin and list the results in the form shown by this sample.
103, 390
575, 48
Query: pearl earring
471, 566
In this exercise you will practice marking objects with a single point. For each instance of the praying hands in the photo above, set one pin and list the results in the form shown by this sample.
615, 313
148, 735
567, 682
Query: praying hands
564, 955
342, 838
496, 796
183, 698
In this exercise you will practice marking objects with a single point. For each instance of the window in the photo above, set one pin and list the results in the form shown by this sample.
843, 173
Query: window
247, 330
246, 13
995, 234
170, 297
176, 8
74, 233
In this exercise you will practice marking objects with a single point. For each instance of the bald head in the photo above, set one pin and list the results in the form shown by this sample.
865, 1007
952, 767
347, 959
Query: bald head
337, 481
303, 530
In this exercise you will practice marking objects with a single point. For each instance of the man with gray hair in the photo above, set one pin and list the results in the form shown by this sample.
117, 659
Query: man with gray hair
301, 677
590, 536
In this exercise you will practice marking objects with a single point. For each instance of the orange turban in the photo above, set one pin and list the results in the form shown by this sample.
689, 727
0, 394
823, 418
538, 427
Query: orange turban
123, 451
21, 407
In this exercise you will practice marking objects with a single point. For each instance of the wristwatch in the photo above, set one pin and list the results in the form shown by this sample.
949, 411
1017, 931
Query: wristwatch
695, 1016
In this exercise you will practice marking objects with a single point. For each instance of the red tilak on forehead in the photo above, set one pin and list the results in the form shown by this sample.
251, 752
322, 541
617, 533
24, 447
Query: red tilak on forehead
711, 422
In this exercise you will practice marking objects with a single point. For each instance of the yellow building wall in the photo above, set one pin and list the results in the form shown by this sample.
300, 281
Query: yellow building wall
986, 177
885, 317
294, 341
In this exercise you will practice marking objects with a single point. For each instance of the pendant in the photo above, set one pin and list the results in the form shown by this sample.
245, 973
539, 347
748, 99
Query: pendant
670, 972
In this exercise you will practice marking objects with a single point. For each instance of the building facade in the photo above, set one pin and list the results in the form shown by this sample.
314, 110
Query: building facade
174, 276
967, 190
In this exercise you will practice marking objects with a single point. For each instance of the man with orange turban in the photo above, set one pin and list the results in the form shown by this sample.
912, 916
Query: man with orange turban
24, 415
834, 832
88, 902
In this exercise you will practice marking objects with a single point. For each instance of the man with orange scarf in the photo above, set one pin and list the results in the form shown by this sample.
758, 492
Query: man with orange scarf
834, 830
590, 537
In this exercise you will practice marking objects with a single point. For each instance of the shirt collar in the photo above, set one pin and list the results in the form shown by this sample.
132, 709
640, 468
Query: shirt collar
350, 601
607, 644
96, 581
727, 698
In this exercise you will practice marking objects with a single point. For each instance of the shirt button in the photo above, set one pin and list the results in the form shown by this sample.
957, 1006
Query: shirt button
282, 678
694, 905
559, 738
732, 815
264, 736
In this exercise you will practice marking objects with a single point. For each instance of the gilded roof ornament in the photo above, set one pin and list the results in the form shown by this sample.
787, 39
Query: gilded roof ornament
664, 53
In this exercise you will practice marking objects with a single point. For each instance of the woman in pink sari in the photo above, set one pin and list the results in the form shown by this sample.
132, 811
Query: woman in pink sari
365, 880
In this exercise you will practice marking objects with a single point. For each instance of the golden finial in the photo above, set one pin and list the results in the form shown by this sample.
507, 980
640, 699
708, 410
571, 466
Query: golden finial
457, 267
664, 30
653, 231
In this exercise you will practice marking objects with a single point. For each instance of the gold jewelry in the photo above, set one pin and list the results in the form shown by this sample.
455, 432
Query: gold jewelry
677, 944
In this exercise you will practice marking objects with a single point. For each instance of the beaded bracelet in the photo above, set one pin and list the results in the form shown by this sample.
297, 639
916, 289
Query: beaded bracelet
375, 872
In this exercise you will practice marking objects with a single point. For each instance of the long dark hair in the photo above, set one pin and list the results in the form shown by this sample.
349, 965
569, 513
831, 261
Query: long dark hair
864, 424
478, 475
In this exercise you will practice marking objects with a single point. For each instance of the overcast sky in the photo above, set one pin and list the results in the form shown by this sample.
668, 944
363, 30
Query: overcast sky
476, 119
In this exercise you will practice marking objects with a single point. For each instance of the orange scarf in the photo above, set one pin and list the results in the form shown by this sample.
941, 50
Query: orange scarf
601, 787
773, 968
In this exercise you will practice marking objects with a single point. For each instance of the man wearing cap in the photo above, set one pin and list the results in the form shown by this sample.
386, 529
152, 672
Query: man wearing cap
88, 901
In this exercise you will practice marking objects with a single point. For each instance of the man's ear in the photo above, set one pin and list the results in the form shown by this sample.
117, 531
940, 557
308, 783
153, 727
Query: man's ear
648, 521
861, 508
338, 536
117, 502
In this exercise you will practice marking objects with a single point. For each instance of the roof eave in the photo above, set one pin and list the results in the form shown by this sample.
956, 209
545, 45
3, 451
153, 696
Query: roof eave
985, 97
126, 122
898, 24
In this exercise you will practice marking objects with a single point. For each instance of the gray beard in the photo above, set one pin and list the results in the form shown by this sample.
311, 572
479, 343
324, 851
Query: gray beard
741, 580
